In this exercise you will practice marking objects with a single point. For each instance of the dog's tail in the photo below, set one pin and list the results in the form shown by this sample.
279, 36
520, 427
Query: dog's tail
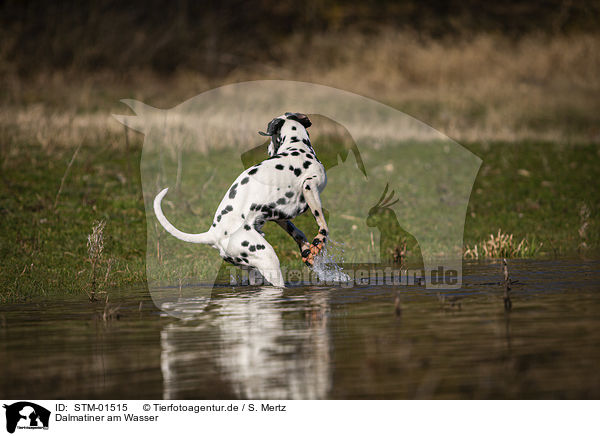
198, 238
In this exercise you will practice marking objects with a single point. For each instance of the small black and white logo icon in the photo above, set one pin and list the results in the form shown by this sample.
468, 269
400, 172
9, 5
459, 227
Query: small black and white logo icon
26, 415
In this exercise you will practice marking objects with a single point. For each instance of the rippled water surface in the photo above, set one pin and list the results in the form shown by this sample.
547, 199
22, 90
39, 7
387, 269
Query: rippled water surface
318, 342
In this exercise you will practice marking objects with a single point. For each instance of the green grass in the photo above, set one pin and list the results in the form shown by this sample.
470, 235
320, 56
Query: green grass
534, 191
43, 250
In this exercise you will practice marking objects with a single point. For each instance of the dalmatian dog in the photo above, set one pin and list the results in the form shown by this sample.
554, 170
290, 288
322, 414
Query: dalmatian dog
277, 189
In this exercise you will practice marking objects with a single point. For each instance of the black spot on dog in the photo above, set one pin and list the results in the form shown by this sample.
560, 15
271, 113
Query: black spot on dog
306, 164
260, 247
293, 127
253, 171
306, 141
245, 243
214, 225
229, 208
279, 166
281, 201
295, 153
272, 205
247, 227
284, 154
317, 213
244, 254
302, 200
297, 172
225, 233
289, 194
291, 168
243, 217
306, 253
301, 151
309, 156
244, 180
315, 242
307, 188
294, 139
219, 218
323, 232
252, 248
238, 260
232, 193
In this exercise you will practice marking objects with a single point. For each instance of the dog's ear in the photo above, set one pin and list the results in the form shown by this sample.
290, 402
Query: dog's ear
273, 127
301, 118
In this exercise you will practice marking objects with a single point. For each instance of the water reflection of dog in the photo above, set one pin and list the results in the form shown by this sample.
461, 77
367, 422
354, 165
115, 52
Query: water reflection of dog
256, 344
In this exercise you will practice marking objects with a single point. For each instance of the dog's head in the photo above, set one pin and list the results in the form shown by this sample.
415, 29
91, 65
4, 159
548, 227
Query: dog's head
275, 127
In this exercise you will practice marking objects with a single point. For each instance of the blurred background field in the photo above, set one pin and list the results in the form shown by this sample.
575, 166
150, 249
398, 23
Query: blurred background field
517, 83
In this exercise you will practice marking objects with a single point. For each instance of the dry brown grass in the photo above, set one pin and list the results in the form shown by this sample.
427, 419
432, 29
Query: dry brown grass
483, 88
502, 245
487, 87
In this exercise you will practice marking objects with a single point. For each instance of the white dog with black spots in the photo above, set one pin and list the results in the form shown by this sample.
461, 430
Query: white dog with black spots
277, 189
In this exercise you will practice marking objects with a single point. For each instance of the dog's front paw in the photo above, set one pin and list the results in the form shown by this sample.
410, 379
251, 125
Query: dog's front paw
318, 244
309, 251
307, 256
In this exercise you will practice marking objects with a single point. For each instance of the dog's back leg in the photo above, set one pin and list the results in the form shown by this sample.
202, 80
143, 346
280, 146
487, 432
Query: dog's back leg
254, 250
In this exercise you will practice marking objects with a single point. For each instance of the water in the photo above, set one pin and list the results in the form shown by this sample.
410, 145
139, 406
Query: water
326, 266
319, 342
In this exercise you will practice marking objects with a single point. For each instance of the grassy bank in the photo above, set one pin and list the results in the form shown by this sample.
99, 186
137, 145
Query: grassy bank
527, 106
543, 192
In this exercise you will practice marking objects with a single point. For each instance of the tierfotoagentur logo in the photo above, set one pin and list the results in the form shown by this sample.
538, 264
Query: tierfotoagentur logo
387, 174
25, 415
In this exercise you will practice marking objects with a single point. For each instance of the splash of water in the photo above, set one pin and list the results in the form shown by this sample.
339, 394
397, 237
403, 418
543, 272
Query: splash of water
326, 264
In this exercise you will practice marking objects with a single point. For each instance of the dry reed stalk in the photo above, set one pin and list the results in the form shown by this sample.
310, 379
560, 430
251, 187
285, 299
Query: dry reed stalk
584, 216
397, 306
507, 301
95, 246
62, 181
